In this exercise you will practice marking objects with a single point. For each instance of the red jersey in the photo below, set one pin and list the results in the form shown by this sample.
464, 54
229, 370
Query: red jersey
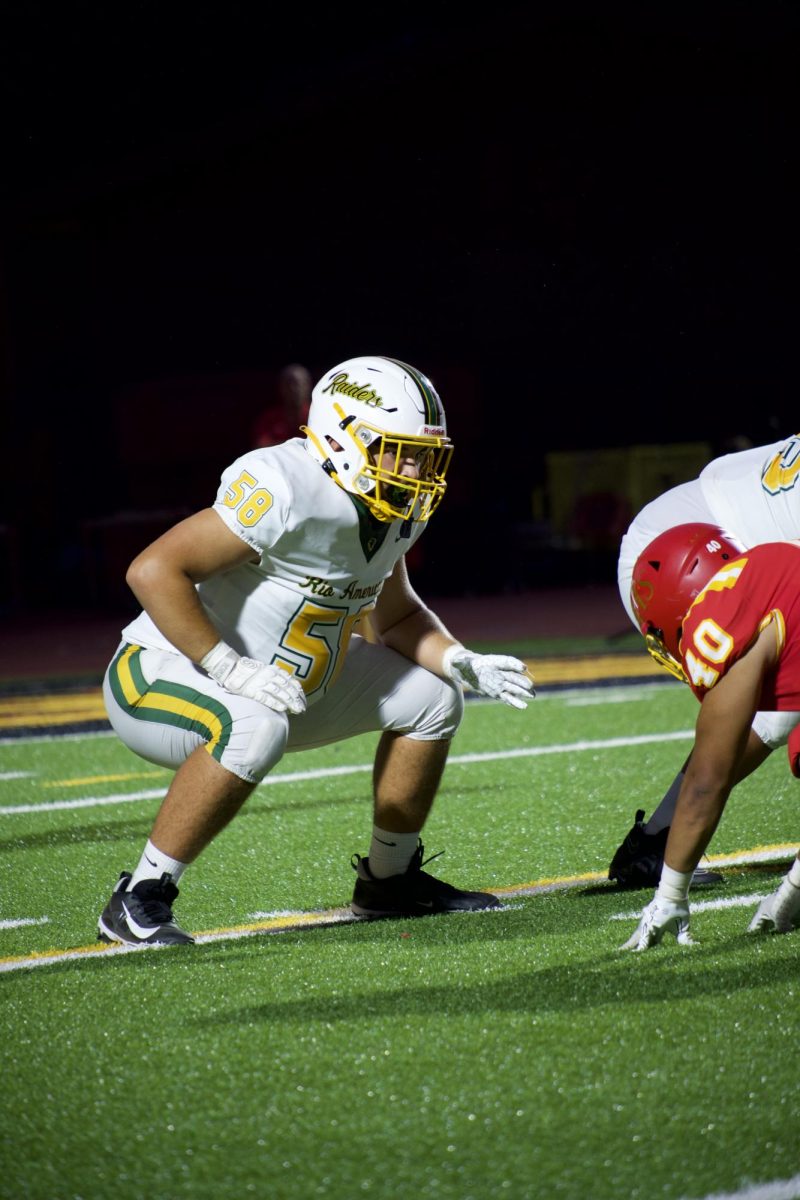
726, 618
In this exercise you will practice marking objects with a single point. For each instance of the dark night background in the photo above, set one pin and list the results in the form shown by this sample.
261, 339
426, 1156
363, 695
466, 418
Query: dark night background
579, 219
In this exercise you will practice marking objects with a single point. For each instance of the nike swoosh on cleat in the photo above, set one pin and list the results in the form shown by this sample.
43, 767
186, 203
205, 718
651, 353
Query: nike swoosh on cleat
141, 931
424, 904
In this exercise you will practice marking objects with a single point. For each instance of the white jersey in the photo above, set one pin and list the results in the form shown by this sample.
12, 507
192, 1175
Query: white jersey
323, 562
755, 494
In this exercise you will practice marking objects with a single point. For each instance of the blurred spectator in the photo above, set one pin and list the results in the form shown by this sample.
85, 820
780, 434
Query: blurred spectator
283, 418
733, 443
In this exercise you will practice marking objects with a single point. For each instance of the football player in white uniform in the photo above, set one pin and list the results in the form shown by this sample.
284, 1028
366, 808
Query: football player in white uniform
755, 496
248, 645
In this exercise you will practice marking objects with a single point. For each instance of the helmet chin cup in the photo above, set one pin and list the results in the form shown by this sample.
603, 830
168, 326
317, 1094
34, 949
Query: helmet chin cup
654, 641
368, 415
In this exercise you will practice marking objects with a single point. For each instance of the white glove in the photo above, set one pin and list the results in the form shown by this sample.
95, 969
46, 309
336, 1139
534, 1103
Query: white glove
497, 675
247, 677
660, 917
775, 913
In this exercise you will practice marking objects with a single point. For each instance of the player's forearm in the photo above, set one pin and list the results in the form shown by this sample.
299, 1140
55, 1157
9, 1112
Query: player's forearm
721, 744
170, 599
697, 815
421, 637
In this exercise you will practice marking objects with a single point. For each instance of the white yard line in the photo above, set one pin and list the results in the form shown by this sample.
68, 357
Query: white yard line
645, 739
701, 906
10, 810
18, 922
277, 922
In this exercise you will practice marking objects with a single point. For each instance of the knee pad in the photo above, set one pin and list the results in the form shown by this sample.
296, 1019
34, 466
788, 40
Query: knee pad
774, 727
256, 744
441, 716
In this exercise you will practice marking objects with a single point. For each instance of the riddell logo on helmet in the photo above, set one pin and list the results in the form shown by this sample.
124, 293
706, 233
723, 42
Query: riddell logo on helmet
641, 594
432, 431
356, 391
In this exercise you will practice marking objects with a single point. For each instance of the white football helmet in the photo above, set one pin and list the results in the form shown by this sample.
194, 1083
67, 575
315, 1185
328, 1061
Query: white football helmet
368, 416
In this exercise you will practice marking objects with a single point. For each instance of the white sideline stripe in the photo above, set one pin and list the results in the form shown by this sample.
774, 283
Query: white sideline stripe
780, 1189
335, 917
644, 739
9, 810
701, 906
276, 913
16, 775
20, 921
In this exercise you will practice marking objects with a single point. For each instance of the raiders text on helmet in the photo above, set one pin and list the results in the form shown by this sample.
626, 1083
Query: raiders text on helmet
668, 576
368, 418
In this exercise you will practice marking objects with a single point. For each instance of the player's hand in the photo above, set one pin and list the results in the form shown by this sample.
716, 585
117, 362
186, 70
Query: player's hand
775, 914
497, 675
258, 681
658, 918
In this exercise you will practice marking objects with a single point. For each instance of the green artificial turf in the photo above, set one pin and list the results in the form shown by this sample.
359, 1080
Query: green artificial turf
516, 1053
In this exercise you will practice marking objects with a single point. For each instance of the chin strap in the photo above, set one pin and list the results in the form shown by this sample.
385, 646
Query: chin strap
325, 461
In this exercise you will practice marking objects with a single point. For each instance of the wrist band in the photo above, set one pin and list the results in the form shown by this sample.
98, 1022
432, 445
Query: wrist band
447, 659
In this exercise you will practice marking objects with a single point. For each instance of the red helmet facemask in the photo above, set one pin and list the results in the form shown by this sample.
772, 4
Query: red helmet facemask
669, 575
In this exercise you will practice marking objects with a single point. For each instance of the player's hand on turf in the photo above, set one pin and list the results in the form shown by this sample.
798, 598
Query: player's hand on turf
256, 680
497, 675
775, 913
658, 918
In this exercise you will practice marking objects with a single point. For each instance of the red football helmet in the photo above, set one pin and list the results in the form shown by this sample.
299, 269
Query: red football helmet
669, 574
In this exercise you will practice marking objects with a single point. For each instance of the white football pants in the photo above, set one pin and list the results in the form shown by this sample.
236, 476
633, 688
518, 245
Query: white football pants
163, 707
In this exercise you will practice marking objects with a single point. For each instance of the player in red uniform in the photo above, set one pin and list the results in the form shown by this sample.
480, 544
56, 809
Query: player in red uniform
727, 621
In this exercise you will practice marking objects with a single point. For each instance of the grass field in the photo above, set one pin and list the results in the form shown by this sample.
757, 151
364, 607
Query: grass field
294, 1054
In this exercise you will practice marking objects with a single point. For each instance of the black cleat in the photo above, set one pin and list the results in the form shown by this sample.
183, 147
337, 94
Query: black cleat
142, 917
638, 861
412, 894
704, 877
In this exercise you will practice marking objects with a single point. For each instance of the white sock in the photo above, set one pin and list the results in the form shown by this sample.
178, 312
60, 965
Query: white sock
787, 897
390, 853
666, 810
674, 885
794, 873
153, 864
